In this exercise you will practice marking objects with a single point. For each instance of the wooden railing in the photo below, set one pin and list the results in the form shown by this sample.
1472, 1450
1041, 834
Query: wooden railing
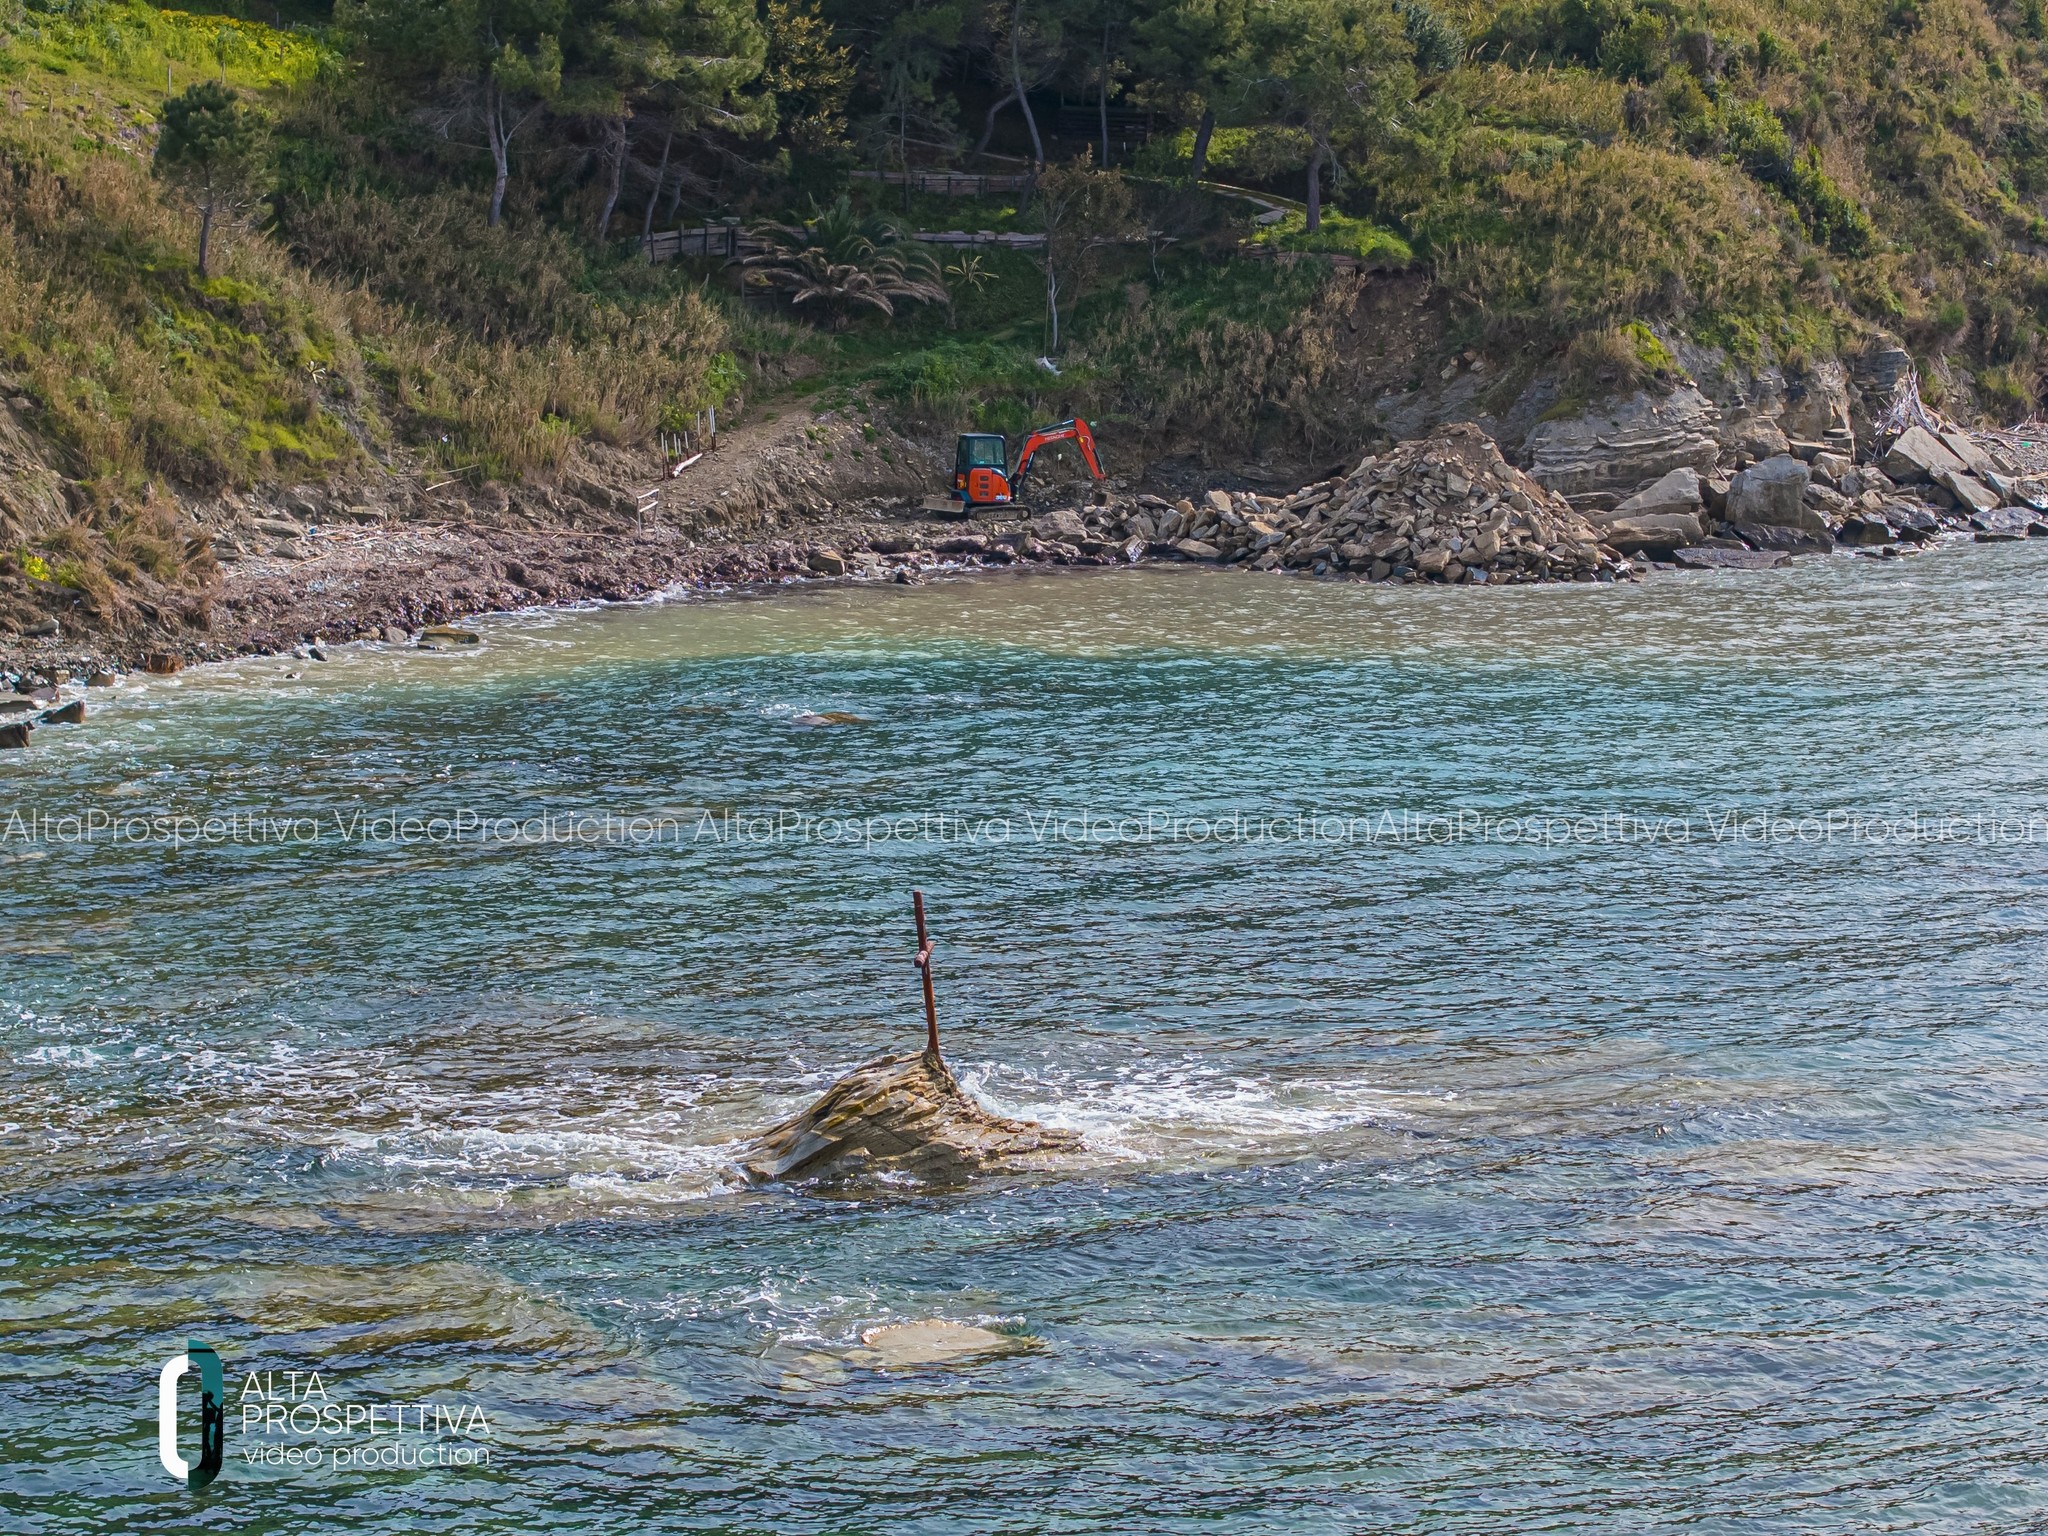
724, 241
729, 242
1016, 242
949, 183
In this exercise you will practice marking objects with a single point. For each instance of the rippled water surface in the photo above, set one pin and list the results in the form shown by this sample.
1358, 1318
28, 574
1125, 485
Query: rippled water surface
1438, 1179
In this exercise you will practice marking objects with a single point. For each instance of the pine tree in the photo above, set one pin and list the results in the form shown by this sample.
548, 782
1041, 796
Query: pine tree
690, 62
208, 145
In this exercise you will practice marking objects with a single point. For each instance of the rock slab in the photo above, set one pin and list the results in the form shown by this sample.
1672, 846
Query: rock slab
1615, 447
1716, 559
933, 1343
1919, 455
1676, 494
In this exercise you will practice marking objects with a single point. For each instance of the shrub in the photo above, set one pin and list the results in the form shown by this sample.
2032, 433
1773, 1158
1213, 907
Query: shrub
1340, 235
839, 260
1616, 361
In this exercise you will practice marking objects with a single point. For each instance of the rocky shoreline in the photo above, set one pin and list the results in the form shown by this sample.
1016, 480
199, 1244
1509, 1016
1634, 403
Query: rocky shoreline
1447, 509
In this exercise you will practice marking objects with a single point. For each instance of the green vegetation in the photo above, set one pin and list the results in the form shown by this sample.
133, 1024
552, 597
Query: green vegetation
1340, 235
838, 261
409, 230
208, 145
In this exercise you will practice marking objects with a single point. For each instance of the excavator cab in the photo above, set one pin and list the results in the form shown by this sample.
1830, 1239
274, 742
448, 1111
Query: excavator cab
983, 475
981, 469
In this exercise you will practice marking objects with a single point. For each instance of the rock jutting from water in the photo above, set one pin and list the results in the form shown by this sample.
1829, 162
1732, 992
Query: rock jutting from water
901, 1119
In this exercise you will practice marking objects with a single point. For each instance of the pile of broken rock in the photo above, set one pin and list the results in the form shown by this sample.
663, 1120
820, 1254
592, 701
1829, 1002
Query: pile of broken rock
1447, 508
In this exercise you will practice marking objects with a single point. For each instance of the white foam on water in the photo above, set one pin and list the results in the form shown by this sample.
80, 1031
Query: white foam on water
1151, 1110
65, 1055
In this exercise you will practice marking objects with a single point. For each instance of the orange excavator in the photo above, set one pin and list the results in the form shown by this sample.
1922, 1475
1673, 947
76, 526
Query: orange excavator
984, 476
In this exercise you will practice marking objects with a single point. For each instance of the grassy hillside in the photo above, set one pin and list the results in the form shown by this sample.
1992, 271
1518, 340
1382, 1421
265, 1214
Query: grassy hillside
1757, 174
1777, 180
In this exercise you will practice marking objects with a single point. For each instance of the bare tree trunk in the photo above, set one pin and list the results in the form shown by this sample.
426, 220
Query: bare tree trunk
1315, 185
1017, 83
1204, 131
1052, 299
501, 158
988, 124
621, 147
205, 233
1102, 100
654, 197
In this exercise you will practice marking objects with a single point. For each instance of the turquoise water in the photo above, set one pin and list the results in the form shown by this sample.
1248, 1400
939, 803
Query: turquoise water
1600, 1176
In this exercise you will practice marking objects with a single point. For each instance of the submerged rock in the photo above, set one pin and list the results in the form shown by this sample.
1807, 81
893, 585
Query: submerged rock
1709, 558
901, 1118
933, 1343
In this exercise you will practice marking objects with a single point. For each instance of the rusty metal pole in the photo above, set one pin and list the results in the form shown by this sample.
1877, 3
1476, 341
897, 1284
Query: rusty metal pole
924, 964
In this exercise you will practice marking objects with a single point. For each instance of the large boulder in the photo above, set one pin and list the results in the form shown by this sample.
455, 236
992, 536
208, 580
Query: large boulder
1062, 525
896, 1119
1652, 530
1866, 529
1817, 407
1969, 453
1759, 437
1676, 494
1793, 541
1971, 494
1918, 455
1614, 448
2012, 522
1773, 493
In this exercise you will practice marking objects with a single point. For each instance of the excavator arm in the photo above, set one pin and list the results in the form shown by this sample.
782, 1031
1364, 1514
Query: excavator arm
1075, 431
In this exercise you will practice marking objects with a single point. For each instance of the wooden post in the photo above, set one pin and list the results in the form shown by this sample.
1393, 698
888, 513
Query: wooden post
924, 964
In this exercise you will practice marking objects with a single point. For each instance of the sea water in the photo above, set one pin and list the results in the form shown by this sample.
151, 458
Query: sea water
1561, 1059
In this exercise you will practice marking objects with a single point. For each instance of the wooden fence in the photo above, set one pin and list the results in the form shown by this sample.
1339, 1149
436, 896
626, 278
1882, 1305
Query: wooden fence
1017, 242
724, 241
728, 242
949, 183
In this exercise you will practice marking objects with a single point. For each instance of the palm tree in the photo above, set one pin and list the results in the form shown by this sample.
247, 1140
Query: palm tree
837, 261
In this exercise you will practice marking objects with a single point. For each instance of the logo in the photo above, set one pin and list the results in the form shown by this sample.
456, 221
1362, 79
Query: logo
212, 1415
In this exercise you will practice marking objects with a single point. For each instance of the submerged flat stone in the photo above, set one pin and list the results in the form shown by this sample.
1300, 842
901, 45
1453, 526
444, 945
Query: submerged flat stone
1709, 558
901, 1119
933, 1343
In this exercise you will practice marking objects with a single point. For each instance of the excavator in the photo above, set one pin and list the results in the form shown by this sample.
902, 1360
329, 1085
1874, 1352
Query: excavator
984, 476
